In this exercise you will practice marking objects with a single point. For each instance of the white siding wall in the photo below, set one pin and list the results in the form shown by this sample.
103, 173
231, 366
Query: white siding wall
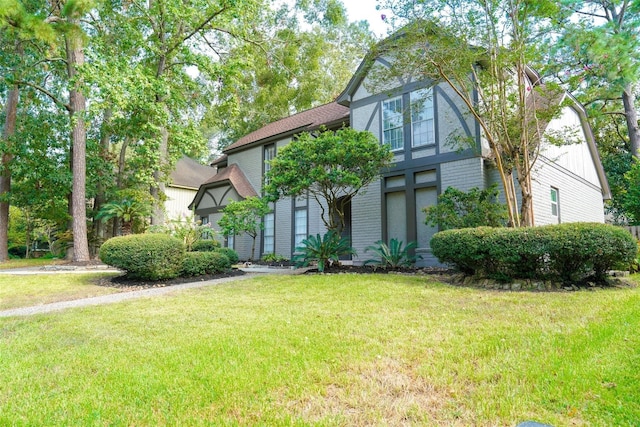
177, 203
579, 201
575, 158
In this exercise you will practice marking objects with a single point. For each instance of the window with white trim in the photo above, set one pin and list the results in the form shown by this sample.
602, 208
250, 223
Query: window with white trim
269, 233
392, 119
422, 129
269, 154
554, 202
300, 226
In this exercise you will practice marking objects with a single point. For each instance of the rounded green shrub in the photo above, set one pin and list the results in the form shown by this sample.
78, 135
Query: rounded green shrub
566, 252
145, 256
199, 263
18, 251
230, 253
205, 245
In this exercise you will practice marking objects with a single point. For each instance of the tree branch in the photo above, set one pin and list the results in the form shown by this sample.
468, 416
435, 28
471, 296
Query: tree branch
44, 91
196, 30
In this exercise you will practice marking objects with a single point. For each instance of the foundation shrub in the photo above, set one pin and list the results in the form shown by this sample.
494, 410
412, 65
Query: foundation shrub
230, 253
199, 263
145, 256
565, 253
205, 245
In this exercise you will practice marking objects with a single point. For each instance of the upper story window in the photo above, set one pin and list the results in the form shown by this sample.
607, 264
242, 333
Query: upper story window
269, 154
392, 119
422, 130
414, 109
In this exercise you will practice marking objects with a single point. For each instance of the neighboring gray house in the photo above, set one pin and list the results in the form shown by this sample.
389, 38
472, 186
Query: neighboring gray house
415, 119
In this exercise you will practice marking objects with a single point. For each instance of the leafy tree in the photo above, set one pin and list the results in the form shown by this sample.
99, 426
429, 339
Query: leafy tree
597, 43
630, 198
306, 55
480, 50
337, 165
595, 53
459, 209
128, 210
244, 217
17, 26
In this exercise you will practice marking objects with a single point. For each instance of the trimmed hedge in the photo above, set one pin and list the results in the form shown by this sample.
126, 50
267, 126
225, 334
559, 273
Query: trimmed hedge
567, 253
199, 263
230, 253
205, 246
145, 256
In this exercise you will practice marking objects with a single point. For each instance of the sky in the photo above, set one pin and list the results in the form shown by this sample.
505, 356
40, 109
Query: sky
365, 10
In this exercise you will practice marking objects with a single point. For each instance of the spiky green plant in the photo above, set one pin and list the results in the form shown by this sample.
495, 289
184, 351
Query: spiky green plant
323, 250
392, 255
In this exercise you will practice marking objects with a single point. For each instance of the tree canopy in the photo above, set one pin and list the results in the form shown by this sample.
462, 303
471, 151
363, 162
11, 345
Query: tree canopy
139, 84
337, 165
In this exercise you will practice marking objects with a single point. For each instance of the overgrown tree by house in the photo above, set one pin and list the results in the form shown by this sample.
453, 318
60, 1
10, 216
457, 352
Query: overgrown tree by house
481, 50
330, 167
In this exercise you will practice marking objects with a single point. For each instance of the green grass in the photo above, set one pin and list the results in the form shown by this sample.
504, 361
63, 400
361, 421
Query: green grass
35, 289
30, 262
329, 350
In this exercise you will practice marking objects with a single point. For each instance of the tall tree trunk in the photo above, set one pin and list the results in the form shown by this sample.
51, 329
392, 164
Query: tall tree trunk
11, 111
77, 104
101, 198
631, 115
157, 188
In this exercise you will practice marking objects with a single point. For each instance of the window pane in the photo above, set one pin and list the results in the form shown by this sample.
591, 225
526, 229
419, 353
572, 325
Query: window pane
300, 227
422, 118
269, 233
392, 123
269, 154
554, 201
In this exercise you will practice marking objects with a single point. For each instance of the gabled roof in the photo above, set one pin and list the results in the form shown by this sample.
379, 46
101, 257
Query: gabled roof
332, 114
188, 173
232, 176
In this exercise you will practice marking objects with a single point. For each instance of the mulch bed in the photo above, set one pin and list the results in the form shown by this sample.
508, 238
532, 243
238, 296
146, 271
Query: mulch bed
128, 283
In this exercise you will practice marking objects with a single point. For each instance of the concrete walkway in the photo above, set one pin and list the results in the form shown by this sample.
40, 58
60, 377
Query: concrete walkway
113, 298
121, 296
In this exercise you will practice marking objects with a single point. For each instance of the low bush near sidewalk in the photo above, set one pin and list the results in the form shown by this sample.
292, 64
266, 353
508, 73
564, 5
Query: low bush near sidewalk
566, 253
199, 263
145, 256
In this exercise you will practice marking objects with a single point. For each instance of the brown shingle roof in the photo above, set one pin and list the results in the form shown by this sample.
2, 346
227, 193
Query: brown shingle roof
236, 177
305, 121
189, 173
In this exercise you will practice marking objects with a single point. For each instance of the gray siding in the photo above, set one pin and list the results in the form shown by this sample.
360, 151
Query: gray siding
283, 226
366, 218
579, 201
462, 174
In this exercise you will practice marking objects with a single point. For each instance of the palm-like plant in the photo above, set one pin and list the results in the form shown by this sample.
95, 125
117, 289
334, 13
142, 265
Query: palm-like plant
128, 210
392, 255
323, 250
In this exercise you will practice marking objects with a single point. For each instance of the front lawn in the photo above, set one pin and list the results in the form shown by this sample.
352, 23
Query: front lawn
35, 289
29, 262
329, 350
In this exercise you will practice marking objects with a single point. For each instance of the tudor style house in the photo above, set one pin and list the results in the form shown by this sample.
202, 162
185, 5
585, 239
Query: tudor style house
416, 119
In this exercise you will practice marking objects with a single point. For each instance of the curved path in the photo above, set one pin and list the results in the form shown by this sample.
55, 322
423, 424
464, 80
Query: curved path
113, 298
121, 296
